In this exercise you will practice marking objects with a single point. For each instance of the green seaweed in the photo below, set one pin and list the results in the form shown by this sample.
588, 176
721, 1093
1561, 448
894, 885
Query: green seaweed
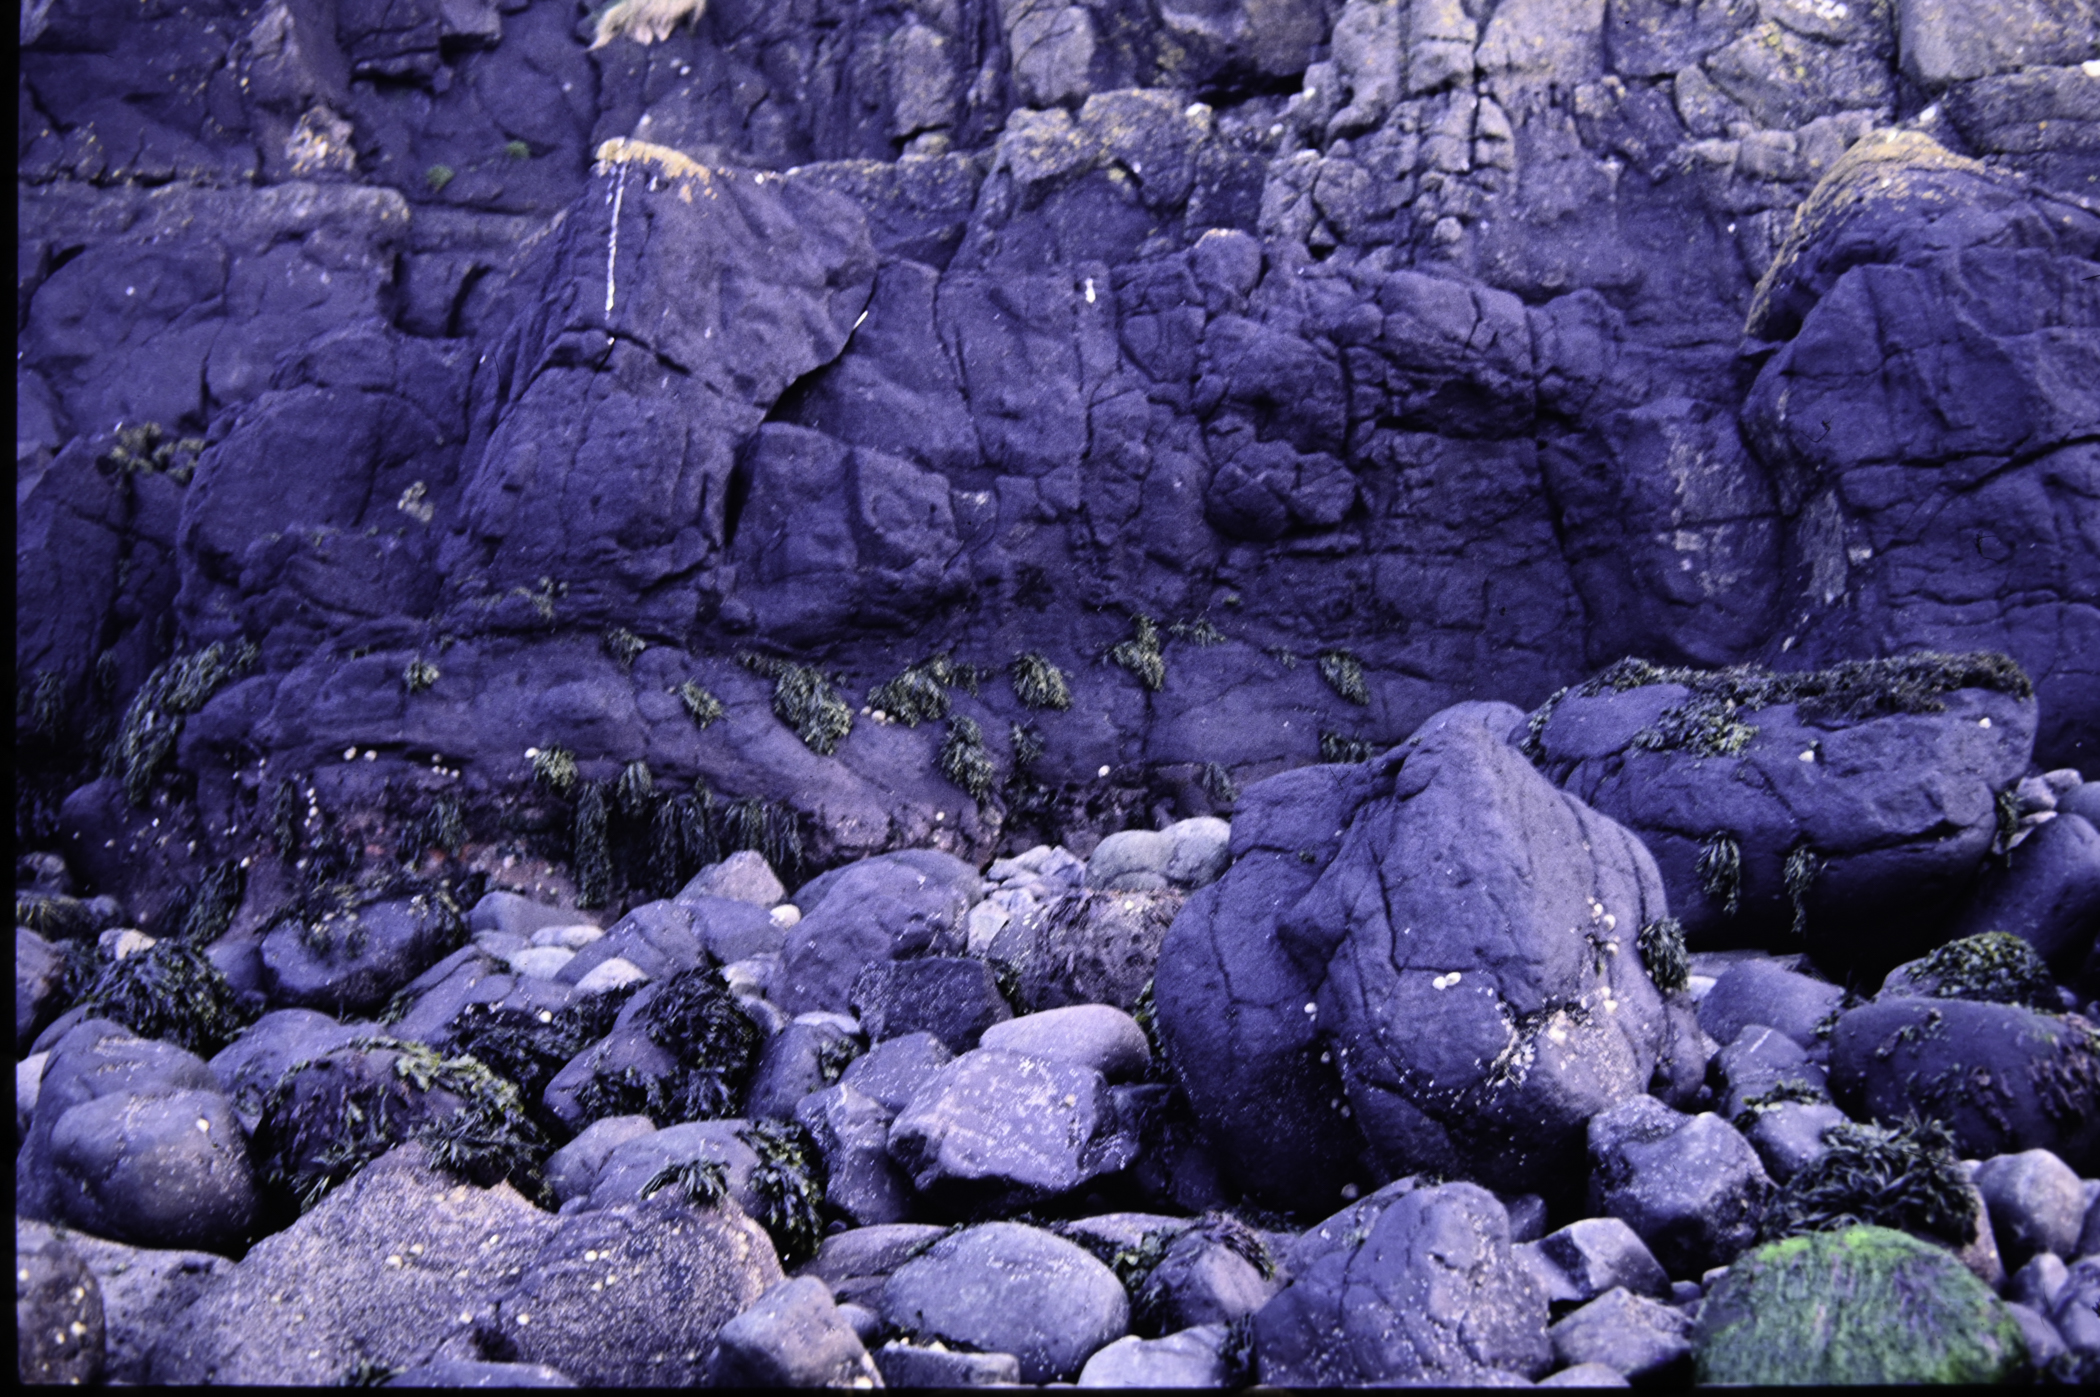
624, 646
917, 695
965, 760
1140, 654
1706, 722
592, 858
789, 1182
419, 675
2005, 806
442, 826
56, 917
804, 699
704, 1183
1197, 632
771, 830
682, 839
1661, 944
438, 176
1906, 1176
700, 705
554, 768
146, 449
1782, 1092
1862, 1305
1218, 784
171, 991
634, 794
1803, 867
1334, 747
287, 807
154, 721
695, 1019
1720, 870
1344, 674
1994, 968
1039, 684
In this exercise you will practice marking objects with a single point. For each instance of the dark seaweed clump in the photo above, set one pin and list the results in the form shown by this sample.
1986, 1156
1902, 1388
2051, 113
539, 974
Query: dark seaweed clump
1906, 1176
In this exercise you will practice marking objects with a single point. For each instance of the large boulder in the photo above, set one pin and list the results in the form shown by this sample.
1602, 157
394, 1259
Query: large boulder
994, 1131
1691, 1186
1469, 956
887, 908
133, 1140
2003, 1078
351, 961
142, 1289
1863, 1305
1428, 1293
380, 1273
631, 1295
1852, 806
1007, 1288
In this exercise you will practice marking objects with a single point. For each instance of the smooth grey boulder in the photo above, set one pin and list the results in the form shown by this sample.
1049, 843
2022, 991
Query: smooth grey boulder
1898, 808
1430, 1294
857, 1263
2044, 1344
2036, 1202
802, 1058
885, 908
1204, 1279
892, 1071
1595, 1255
1586, 1375
1691, 1186
935, 1365
2047, 893
165, 1171
852, 1132
744, 876
572, 1171
352, 962
1186, 854
1627, 1333
59, 1327
503, 910
1760, 1061
657, 938
1193, 1357
1761, 992
632, 1166
2076, 1313
2038, 1282
955, 998
733, 930
380, 1272
1789, 1136
1007, 1288
116, 1148
633, 1294
996, 1131
1099, 1036
251, 1065
793, 1337
1897, 1056
142, 1289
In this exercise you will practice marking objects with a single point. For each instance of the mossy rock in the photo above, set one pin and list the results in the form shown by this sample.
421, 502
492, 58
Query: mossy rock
1865, 1305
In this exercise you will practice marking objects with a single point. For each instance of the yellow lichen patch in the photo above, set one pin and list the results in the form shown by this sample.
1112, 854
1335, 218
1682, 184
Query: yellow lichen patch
1881, 165
645, 21
676, 164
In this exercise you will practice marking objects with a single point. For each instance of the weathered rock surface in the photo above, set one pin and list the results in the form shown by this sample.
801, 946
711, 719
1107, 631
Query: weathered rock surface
1005, 1288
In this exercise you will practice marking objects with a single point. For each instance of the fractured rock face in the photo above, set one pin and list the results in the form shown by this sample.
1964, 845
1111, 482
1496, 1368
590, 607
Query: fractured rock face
1468, 961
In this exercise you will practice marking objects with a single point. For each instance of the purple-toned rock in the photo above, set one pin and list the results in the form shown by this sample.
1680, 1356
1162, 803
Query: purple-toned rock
1429, 1294
1006, 1288
880, 909
996, 1131
1691, 1186
2003, 1078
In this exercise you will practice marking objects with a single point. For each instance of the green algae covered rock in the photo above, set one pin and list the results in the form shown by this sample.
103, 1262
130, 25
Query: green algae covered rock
1864, 1305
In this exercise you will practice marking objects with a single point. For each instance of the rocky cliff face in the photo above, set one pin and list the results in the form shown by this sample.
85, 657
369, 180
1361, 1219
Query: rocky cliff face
970, 424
